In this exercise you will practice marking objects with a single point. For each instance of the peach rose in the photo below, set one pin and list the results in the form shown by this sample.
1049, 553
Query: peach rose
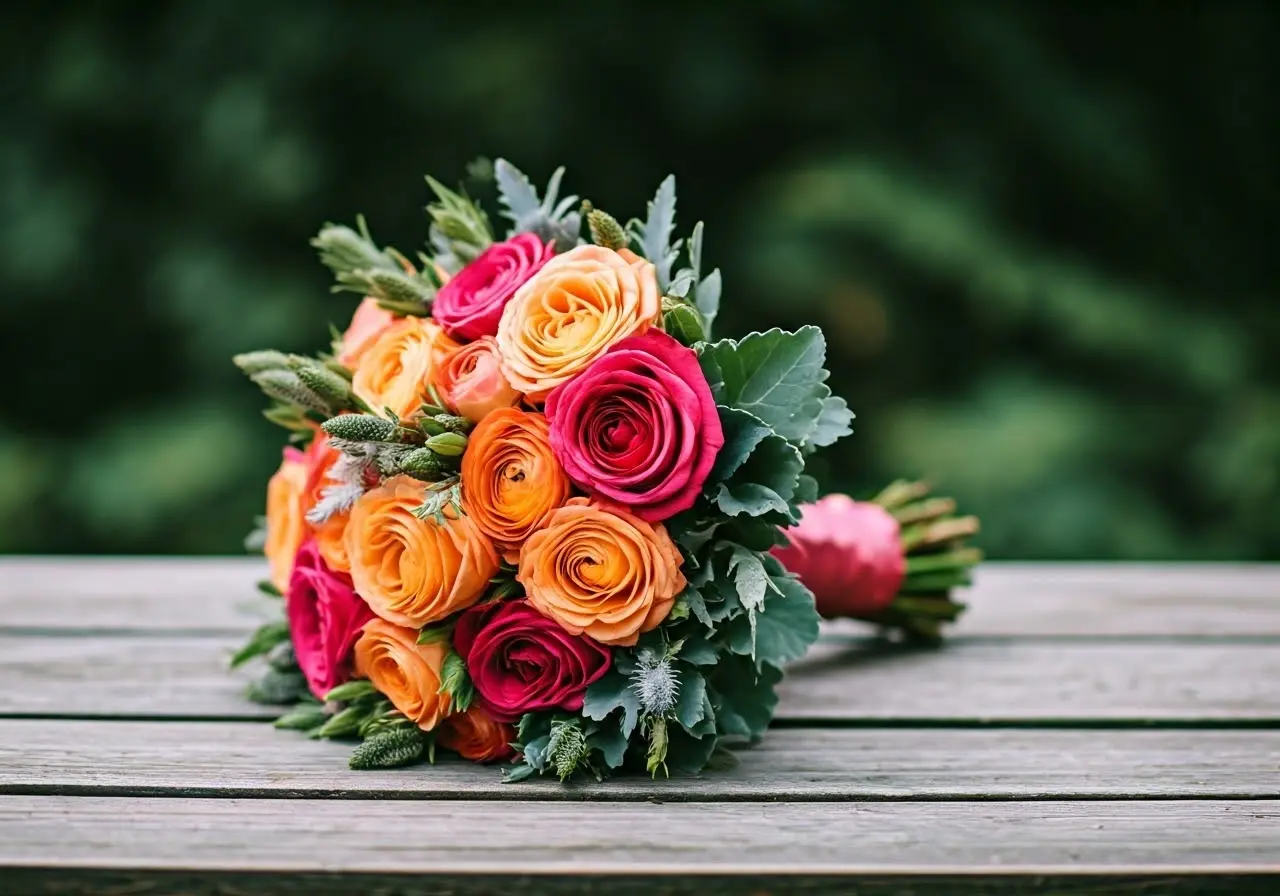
367, 324
286, 516
411, 571
601, 571
395, 370
405, 672
471, 381
476, 736
511, 479
570, 312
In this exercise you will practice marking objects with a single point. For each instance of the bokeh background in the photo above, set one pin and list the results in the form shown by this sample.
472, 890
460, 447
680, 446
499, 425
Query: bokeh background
1042, 238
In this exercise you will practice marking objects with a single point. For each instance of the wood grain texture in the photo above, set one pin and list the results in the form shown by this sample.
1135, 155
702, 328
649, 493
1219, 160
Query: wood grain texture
743, 839
186, 677
229, 882
1009, 599
228, 759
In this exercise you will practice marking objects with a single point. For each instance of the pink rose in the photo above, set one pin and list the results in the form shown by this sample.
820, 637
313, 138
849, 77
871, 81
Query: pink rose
325, 617
520, 661
470, 305
367, 324
848, 554
472, 383
639, 426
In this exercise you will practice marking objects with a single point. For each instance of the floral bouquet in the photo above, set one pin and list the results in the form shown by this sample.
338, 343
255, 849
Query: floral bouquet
531, 512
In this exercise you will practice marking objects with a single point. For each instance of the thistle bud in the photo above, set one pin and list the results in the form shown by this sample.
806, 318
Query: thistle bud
285, 386
360, 428
319, 379
421, 462
605, 230
256, 362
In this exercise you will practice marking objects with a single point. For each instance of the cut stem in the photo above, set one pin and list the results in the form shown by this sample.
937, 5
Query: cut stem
961, 559
931, 534
899, 493
924, 511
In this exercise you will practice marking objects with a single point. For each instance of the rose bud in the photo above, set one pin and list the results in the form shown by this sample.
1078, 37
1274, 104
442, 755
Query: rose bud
848, 553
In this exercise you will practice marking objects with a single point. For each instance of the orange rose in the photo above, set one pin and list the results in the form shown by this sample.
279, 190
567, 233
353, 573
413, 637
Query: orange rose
367, 324
286, 516
511, 479
410, 571
405, 672
395, 370
471, 380
476, 736
570, 312
601, 572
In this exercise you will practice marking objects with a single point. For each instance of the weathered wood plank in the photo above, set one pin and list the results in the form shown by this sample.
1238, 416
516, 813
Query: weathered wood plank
229, 759
186, 677
738, 841
217, 594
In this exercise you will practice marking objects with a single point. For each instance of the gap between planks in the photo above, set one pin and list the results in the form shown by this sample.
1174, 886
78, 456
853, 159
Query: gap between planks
224, 760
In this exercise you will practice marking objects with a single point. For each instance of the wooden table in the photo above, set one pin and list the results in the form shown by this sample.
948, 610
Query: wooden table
1089, 728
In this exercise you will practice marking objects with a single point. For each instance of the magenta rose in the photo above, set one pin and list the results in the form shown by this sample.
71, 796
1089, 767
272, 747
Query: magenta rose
470, 305
325, 617
848, 553
520, 661
639, 426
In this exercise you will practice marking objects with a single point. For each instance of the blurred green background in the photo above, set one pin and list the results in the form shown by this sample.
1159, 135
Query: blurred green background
1042, 238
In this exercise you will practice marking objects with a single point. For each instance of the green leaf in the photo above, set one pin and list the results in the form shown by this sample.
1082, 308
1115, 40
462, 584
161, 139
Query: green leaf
456, 682
806, 489
609, 741
765, 482
688, 754
689, 709
267, 636
749, 577
707, 298
551, 218
518, 773
612, 692
276, 688
434, 634
265, 586
743, 696
697, 605
835, 422
350, 691
304, 718
654, 234
784, 630
743, 431
698, 651
775, 375
343, 724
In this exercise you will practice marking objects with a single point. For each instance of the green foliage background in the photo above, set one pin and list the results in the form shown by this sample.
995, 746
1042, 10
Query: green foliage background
1041, 237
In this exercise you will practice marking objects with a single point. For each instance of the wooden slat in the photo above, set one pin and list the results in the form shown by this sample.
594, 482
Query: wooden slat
585, 842
228, 759
217, 594
186, 677
132, 593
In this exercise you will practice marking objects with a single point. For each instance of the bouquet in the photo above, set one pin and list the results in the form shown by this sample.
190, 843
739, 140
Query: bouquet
531, 512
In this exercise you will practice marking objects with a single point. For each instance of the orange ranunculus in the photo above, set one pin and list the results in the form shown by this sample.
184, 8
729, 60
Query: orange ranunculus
286, 516
471, 380
411, 571
601, 572
395, 370
405, 672
476, 736
511, 479
367, 324
570, 312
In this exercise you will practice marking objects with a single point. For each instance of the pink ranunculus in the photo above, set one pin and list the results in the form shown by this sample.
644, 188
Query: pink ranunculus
848, 553
325, 617
472, 383
367, 324
520, 661
470, 305
639, 426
